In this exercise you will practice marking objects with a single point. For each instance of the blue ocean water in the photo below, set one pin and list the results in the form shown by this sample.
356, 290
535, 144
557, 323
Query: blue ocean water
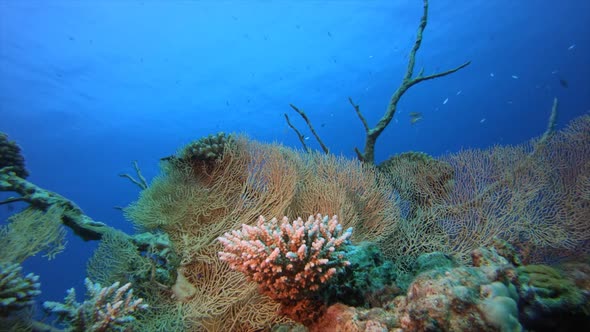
87, 87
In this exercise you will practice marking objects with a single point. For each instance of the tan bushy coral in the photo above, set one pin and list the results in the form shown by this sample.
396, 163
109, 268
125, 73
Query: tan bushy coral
356, 192
531, 195
419, 178
11, 156
30, 232
534, 195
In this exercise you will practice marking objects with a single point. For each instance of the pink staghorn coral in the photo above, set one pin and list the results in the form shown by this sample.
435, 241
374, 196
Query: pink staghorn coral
288, 260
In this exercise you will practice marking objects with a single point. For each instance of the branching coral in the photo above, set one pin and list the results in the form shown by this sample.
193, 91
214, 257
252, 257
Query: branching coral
107, 308
16, 292
289, 260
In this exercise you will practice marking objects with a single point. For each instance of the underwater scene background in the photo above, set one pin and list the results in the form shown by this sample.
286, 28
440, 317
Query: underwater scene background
89, 87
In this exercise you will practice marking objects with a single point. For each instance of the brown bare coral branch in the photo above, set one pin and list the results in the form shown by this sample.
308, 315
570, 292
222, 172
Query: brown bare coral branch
368, 155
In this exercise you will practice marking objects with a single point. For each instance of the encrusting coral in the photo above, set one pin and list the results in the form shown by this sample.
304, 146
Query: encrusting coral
16, 292
548, 298
109, 308
490, 294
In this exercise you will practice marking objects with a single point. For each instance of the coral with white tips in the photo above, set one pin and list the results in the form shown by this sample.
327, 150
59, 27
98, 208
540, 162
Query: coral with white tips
289, 260
107, 309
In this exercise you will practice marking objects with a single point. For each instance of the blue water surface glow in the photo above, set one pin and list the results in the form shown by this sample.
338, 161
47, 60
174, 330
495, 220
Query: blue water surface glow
86, 87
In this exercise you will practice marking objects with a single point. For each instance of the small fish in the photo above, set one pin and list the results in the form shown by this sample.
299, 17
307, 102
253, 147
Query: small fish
492, 75
555, 72
515, 77
563, 83
572, 46
482, 120
459, 92
415, 117
306, 138
446, 101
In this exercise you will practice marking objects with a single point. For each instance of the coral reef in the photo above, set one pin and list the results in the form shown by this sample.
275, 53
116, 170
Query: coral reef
423, 270
488, 295
16, 292
427, 257
464, 298
491, 294
109, 308
251, 179
11, 156
424, 255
